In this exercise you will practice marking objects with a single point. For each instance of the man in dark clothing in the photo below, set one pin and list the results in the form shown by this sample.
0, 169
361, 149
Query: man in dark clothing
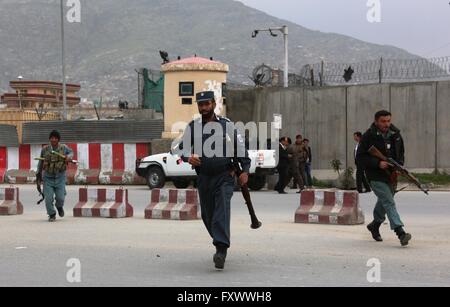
215, 168
283, 165
360, 174
388, 140
294, 168
308, 177
52, 171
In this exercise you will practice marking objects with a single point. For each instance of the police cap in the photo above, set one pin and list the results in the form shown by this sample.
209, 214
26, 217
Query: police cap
205, 96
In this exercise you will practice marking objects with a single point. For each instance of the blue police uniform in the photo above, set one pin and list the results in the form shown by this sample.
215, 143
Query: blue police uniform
215, 179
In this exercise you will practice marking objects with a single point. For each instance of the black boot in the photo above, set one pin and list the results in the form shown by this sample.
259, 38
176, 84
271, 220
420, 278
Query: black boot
403, 236
220, 257
52, 218
374, 228
60, 211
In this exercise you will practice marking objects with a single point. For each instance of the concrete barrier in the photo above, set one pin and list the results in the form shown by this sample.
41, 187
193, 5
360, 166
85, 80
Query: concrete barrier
106, 203
21, 166
118, 163
9, 202
98, 164
72, 168
89, 159
173, 205
3, 163
329, 207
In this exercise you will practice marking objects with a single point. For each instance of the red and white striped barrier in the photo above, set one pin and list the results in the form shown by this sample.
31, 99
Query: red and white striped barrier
89, 159
107, 203
21, 166
9, 202
119, 163
173, 205
329, 207
3, 163
98, 163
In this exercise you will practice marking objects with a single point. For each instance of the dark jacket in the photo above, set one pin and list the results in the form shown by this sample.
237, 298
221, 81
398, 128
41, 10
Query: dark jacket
194, 140
293, 163
283, 158
301, 155
309, 155
370, 164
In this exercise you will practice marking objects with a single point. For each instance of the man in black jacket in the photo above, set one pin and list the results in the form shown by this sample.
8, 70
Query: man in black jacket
215, 169
283, 165
387, 139
361, 180
308, 177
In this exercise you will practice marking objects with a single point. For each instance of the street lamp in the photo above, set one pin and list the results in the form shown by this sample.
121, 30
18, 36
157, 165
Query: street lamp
19, 93
64, 89
285, 32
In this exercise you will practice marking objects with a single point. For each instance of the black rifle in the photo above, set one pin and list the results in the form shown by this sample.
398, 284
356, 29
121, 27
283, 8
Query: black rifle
248, 201
397, 167
39, 175
39, 188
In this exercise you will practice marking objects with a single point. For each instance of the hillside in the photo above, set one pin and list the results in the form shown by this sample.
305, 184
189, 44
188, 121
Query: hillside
118, 36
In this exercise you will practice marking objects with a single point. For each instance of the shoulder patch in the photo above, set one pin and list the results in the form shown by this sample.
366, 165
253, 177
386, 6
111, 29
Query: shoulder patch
225, 119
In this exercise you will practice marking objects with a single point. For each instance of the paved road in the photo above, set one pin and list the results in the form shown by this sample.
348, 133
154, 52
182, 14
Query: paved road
138, 252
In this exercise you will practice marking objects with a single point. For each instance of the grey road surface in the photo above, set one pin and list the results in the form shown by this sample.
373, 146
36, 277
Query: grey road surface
139, 252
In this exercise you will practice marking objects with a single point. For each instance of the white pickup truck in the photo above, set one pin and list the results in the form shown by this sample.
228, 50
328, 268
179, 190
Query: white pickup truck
158, 169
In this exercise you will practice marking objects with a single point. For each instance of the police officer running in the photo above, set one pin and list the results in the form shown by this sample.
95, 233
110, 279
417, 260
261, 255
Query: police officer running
388, 140
52, 170
215, 169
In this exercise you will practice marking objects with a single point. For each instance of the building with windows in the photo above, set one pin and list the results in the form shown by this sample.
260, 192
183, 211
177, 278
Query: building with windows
183, 79
39, 94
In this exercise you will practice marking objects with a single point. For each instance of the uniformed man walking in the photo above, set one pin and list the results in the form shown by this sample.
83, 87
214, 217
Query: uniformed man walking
388, 140
52, 170
215, 169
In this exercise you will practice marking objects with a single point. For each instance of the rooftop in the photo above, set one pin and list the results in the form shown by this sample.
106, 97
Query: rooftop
195, 60
195, 64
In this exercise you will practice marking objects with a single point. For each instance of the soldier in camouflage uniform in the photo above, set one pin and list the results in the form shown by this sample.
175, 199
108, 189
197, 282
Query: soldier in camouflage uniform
52, 170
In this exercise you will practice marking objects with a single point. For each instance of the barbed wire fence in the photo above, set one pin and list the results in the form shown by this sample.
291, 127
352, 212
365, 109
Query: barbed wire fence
374, 71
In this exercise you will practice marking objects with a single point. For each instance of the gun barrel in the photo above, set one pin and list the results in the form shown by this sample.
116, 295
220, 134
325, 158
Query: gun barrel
248, 200
58, 154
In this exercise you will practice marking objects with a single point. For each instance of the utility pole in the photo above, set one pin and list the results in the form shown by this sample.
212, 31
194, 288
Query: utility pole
285, 32
140, 96
19, 93
64, 88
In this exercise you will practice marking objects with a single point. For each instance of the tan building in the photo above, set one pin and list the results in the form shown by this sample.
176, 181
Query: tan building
37, 94
16, 117
183, 79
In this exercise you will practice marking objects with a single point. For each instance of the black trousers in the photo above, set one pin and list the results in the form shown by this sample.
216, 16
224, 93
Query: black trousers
282, 178
215, 200
361, 180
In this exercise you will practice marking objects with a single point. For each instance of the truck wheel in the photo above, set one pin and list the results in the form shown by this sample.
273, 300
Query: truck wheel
155, 178
256, 183
180, 183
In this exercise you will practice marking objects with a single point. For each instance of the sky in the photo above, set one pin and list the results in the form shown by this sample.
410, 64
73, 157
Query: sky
420, 26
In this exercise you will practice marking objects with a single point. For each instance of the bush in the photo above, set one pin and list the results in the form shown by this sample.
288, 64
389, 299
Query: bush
322, 184
346, 180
